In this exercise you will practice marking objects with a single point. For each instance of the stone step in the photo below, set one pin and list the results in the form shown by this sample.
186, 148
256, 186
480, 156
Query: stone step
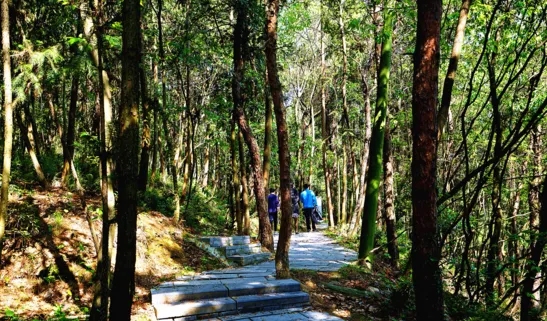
222, 241
246, 259
292, 314
269, 301
236, 289
226, 306
178, 291
242, 249
197, 307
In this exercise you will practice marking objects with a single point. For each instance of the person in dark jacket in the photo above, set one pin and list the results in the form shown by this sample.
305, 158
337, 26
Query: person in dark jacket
295, 208
273, 205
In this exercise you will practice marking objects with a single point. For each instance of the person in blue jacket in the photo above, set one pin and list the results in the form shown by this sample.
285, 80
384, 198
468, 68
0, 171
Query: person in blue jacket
308, 200
273, 204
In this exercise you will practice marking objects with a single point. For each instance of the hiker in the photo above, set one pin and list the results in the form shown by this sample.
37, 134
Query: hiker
317, 211
295, 208
308, 204
273, 204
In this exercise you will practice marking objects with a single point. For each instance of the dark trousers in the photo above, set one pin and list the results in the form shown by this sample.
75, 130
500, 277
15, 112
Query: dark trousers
308, 212
273, 220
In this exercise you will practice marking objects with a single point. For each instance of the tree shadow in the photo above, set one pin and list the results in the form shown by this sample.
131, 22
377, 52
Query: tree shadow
64, 272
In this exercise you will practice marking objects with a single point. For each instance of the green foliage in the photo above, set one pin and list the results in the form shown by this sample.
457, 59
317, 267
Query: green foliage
206, 215
158, 199
459, 308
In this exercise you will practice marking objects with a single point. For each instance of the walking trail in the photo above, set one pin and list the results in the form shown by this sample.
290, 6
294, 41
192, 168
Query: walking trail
312, 251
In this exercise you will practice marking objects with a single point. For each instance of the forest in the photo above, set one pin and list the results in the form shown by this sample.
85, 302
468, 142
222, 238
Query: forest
132, 128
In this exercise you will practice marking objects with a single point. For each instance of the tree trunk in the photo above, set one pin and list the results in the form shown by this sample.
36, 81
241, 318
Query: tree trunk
8, 120
123, 284
368, 229
155, 144
246, 218
32, 128
360, 194
283, 245
389, 200
426, 251
267, 134
23, 127
235, 175
532, 265
324, 132
241, 39
145, 140
99, 310
206, 161
452, 68
533, 197
71, 130
497, 214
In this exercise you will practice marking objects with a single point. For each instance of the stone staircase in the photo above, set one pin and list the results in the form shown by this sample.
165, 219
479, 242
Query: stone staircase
218, 295
238, 250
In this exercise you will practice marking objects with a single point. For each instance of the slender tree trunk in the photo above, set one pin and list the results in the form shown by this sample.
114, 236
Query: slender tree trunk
267, 134
532, 265
145, 140
32, 128
283, 245
245, 188
205, 179
241, 39
389, 200
176, 151
426, 251
497, 214
324, 132
533, 198
155, 144
21, 121
452, 68
71, 130
235, 181
8, 120
99, 310
123, 284
360, 194
368, 229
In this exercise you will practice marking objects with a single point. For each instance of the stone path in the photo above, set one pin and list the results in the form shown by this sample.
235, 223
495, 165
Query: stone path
251, 293
312, 251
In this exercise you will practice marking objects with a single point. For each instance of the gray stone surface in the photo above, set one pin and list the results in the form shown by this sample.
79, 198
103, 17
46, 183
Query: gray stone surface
221, 241
281, 317
253, 288
312, 251
243, 249
250, 302
247, 259
189, 308
188, 292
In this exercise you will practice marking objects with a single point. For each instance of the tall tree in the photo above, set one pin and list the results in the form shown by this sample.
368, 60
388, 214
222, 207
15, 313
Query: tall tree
426, 251
283, 245
532, 265
267, 135
324, 130
8, 119
123, 284
368, 229
99, 309
241, 40
452, 67
389, 199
